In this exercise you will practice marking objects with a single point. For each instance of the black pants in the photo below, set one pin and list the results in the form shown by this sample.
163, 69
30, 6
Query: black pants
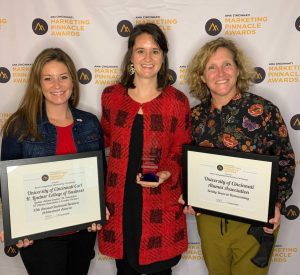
124, 268
63, 255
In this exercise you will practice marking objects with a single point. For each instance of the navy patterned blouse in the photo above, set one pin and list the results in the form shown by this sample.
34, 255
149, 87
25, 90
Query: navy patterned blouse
248, 123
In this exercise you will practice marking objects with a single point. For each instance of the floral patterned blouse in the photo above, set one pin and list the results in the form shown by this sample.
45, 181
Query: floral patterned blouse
248, 123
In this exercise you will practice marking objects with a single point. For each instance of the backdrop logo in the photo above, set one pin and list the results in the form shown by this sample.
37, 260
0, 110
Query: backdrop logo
4, 75
283, 254
124, 28
106, 74
260, 75
297, 24
164, 23
3, 118
3, 21
39, 26
243, 24
11, 251
67, 26
295, 122
213, 26
172, 76
283, 72
193, 253
182, 74
220, 167
292, 212
84, 76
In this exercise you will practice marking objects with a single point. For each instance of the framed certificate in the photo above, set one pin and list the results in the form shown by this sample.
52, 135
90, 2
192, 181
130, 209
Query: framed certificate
49, 196
230, 184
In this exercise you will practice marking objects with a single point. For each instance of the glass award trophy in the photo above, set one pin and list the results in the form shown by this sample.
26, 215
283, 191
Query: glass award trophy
149, 169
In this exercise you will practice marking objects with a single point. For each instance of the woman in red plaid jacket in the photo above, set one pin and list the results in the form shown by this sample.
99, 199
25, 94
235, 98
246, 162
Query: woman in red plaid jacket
145, 122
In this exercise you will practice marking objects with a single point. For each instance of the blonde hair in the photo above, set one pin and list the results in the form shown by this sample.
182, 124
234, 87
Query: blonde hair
197, 66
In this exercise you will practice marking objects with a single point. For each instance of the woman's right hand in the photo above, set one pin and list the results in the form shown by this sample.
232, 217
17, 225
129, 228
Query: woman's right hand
24, 243
20, 244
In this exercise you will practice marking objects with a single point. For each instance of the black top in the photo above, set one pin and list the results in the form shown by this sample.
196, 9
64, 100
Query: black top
133, 203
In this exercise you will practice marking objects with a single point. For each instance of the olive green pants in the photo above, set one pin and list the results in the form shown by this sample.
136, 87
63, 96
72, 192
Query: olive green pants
227, 248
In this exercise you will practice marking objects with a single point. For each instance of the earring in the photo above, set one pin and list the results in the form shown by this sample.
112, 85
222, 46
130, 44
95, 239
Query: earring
131, 69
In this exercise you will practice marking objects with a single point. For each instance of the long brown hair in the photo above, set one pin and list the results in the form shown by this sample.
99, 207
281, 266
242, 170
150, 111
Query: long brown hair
23, 122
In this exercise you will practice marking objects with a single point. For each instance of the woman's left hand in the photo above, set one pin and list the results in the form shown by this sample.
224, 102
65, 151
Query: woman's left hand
275, 220
96, 227
187, 208
163, 176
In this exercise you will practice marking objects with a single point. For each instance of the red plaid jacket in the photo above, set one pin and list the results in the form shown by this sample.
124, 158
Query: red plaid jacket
166, 129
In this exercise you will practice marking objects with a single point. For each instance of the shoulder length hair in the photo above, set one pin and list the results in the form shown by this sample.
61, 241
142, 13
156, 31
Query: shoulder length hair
23, 122
161, 40
198, 63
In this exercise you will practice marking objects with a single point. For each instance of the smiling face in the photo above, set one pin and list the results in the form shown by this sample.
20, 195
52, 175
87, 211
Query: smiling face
220, 75
147, 57
56, 83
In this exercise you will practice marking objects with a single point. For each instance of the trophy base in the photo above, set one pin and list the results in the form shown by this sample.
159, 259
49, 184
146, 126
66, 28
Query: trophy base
150, 177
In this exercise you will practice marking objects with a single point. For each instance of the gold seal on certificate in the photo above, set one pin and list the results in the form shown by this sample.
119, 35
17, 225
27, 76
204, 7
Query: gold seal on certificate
46, 196
230, 183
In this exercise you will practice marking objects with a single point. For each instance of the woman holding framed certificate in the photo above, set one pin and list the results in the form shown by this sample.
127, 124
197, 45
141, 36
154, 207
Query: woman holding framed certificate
47, 123
229, 117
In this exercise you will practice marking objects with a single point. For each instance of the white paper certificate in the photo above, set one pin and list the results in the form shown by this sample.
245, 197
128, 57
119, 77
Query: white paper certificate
229, 184
46, 196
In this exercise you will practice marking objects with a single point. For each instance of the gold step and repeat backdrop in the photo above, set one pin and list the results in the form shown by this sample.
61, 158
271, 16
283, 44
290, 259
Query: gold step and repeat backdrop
95, 33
